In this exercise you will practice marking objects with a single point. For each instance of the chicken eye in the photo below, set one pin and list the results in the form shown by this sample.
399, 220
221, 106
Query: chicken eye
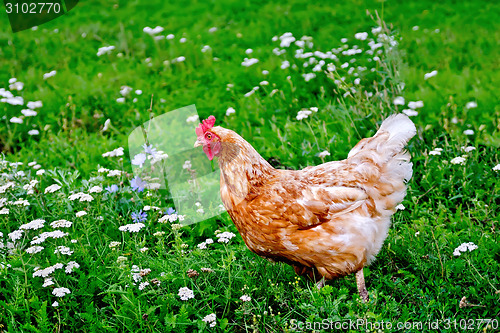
208, 136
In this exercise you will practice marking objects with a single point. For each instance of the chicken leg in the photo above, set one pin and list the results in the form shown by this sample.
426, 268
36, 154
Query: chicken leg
360, 281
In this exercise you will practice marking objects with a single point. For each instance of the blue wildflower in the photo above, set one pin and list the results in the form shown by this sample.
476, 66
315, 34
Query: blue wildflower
138, 184
112, 189
139, 217
170, 211
149, 149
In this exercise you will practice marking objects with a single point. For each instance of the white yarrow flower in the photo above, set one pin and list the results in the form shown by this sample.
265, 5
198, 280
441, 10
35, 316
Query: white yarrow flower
399, 100
429, 75
210, 319
464, 247
185, 293
458, 160
52, 188
246, 298
81, 213
60, 292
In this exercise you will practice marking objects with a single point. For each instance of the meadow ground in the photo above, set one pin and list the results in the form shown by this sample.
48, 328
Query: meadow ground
82, 249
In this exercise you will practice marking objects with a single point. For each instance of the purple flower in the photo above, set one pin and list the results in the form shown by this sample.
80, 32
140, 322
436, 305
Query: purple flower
138, 184
170, 211
112, 189
149, 149
139, 217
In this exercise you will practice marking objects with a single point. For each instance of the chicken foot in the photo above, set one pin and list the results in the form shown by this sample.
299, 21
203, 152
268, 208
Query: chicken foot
360, 281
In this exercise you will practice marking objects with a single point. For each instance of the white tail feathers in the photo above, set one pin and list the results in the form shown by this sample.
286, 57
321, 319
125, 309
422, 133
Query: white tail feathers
399, 127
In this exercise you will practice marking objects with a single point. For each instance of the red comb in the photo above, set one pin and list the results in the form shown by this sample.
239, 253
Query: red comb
205, 125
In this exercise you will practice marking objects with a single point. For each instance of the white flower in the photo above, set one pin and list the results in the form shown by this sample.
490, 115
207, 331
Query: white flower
21, 202
464, 247
205, 48
200, 211
285, 64
249, 62
5, 211
471, 105
153, 31
120, 100
139, 159
210, 319
496, 167
114, 173
230, 111
33, 132
436, 151
468, 149
192, 119
429, 75
34, 249
17, 100
63, 250
16, 86
48, 234
469, 132
224, 237
415, 105
28, 113
114, 244
16, 120
361, 35
399, 100
105, 50
86, 197
33, 225
286, 39
49, 74
400, 207
70, 266
81, 213
185, 293
47, 271
116, 152
202, 246
264, 83
308, 76
133, 227
52, 188
376, 30
47, 282
95, 189
458, 160
410, 112
212, 29
60, 292
303, 114
323, 154
143, 285
246, 298
34, 105
61, 224
55, 304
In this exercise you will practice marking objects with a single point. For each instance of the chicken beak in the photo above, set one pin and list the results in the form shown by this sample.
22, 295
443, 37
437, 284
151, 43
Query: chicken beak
198, 143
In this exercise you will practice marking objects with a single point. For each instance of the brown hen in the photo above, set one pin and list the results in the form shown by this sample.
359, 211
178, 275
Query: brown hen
327, 221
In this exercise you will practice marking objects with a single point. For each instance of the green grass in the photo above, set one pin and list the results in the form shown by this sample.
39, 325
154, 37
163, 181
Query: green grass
416, 277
